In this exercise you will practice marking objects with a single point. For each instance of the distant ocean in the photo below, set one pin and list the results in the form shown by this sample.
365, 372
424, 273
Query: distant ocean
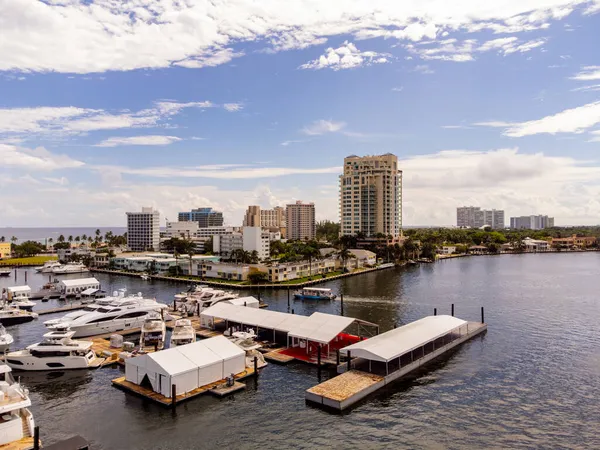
41, 234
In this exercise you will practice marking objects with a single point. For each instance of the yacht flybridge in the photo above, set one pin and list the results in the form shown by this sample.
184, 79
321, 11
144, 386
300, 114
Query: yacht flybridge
153, 333
48, 267
16, 421
183, 333
56, 352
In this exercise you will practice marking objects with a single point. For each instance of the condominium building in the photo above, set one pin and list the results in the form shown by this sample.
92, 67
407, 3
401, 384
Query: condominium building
494, 218
300, 221
206, 217
255, 239
469, 217
272, 218
371, 196
252, 216
531, 222
225, 244
143, 230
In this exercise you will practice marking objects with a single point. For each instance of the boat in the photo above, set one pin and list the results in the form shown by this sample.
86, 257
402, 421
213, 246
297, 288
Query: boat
5, 272
10, 315
246, 340
16, 421
199, 300
5, 339
47, 291
311, 293
56, 352
183, 333
153, 333
25, 305
145, 276
126, 314
69, 268
48, 267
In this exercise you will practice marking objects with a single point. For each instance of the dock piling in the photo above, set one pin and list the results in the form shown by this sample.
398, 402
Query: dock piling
349, 358
435, 311
36, 438
255, 367
25, 276
482, 316
319, 363
292, 310
342, 304
452, 310
288, 292
173, 397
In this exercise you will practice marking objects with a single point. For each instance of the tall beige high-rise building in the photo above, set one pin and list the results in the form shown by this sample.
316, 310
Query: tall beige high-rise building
272, 218
300, 221
371, 195
252, 216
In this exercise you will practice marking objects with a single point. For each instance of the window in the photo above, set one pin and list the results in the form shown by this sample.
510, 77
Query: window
101, 319
132, 315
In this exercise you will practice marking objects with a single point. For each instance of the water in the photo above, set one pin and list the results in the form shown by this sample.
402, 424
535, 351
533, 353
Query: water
42, 234
532, 381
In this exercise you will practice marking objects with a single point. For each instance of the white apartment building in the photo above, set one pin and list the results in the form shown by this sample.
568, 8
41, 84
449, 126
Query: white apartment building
255, 239
225, 244
494, 218
371, 195
225, 271
532, 222
143, 230
475, 217
300, 221
181, 230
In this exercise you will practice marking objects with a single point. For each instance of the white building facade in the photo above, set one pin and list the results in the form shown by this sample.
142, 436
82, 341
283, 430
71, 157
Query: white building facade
531, 222
143, 230
255, 239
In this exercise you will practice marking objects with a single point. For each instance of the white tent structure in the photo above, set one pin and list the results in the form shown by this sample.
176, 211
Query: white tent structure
78, 286
188, 367
321, 328
250, 302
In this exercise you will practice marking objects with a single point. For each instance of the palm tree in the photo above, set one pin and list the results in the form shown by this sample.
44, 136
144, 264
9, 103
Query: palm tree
77, 239
14, 239
70, 239
61, 238
90, 239
50, 241
84, 237
2, 239
344, 254
310, 252
254, 258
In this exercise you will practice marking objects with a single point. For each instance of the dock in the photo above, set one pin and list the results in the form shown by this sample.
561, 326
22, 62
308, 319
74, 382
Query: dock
379, 362
60, 309
223, 390
149, 394
277, 357
25, 443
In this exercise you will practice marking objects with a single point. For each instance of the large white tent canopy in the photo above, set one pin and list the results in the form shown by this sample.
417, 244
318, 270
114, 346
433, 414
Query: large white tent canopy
250, 302
396, 342
322, 328
271, 320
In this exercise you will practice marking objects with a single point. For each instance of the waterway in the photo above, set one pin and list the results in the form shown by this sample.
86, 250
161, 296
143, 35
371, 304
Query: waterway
532, 381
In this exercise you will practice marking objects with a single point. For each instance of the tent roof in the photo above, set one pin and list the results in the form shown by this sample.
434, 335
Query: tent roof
240, 301
223, 348
89, 291
199, 354
18, 289
396, 342
321, 327
172, 361
271, 320
79, 282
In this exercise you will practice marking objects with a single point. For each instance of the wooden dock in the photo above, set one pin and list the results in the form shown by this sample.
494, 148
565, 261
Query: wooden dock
25, 443
149, 394
223, 390
277, 357
60, 309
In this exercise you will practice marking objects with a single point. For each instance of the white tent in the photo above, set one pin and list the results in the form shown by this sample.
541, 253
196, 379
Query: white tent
397, 342
250, 302
187, 366
270, 320
320, 327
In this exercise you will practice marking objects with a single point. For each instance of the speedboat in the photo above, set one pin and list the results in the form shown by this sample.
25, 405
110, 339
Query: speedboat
183, 333
48, 267
310, 293
70, 268
10, 315
5, 339
125, 314
196, 303
26, 305
5, 272
16, 421
153, 334
56, 352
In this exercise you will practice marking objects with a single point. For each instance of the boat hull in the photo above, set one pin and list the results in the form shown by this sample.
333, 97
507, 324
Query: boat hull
15, 320
312, 297
93, 329
4, 274
27, 362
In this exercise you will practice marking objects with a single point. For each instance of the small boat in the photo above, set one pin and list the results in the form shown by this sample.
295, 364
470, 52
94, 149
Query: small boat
145, 276
246, 340
183, 333
16, 419
5, 339
153, 334
48, 267
56, 352
10, 315
5, 272
198, 301
310, 293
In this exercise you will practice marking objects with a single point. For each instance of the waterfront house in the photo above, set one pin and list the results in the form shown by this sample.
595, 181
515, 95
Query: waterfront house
478, 249
448, 250
5, 251
535, 245
574, 242
362, 258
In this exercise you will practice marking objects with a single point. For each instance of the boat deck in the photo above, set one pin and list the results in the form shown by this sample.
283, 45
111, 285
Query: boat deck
60, 309
25, 443
149, 394
346, 385
278, 357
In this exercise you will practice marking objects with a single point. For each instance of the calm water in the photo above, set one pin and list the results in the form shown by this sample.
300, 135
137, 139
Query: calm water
532, 381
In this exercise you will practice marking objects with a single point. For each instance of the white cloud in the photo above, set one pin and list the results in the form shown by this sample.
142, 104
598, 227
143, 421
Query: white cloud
346, 57
38, 159
233, 107
398, 89
296, 141
110, 35
322, 127
588, 73
595, 136
575, 120
424, 69
591, 87
138, 140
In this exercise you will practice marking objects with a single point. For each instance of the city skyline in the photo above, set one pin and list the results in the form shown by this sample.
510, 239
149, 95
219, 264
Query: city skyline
170, 108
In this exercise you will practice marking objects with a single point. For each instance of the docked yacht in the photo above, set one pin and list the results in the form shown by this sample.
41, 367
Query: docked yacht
120, 315
183, 333
70, 268
11, 315
16, 421
56, 352
25, 305
18, 296
153, 334
5, 272
48, 267
5, 339
195, 302
311, 293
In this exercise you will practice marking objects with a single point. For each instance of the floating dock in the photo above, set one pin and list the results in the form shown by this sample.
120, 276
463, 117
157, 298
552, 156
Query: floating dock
60, 309
223, 390
278, 357
25, 443
386, 358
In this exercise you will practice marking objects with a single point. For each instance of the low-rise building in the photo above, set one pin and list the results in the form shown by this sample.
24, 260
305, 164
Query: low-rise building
301, 269
224, 271
5, 251
448, 250
574, 241
535, 245
362, 258
69, 254
478, 249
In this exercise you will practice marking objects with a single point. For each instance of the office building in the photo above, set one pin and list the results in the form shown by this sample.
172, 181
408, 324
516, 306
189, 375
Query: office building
206, 217
531, 222
143, 230
371, 196
252, 216
300, 221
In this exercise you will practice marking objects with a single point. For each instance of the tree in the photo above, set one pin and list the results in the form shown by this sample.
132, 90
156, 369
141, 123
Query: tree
2, 239
98, 233
257, 277
70, 239
14, 239
50, 241
61, 245
84, 237
61, 238
310, 252
77, 239
27, 248
328, 231
181, 246
254, 258
344, 254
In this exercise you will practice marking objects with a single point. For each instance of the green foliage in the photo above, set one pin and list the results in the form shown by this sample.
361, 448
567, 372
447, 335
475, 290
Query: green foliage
181, 246
27, 248
257, 277
61, 245
328, 231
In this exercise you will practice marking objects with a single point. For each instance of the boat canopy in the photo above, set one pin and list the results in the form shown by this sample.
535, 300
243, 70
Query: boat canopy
270, 320
320, 327
15, 289
250, 302
79, 282
316, 289
397, 342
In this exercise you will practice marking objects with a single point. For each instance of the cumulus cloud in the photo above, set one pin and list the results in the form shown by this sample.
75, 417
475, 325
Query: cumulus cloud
587, 73
322, 127
595, 136
346, 57
37, 159
574, 120
138, 140
424, 69
233, 107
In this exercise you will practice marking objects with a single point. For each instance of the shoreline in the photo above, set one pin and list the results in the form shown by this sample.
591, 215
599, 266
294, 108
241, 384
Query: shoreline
464, 255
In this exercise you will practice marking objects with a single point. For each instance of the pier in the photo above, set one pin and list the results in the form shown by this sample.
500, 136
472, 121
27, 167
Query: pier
390, 356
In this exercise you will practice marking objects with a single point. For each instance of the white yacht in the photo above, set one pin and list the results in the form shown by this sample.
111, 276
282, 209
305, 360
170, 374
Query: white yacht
56, 352
69, 268
16, 421
183, 333
26, 305
195, 302
11, 315
153, 334
246, 340
125, 314
5, 339
48, 267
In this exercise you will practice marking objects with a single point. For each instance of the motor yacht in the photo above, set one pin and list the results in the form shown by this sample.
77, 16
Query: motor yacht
16, 421
153, 334
11, 315
195, 303
25, 305
125, 314
145, 276
69, 268
5, 272
56, 352
5, 339
246, 340
48, 267
183, 333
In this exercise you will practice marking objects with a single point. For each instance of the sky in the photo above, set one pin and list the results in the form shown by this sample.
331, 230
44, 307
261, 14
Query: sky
110, 105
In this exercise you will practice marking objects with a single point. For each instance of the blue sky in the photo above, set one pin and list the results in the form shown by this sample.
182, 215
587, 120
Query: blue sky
104, 108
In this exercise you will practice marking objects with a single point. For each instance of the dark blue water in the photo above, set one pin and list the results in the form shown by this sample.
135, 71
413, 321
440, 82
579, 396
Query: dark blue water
533, 381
